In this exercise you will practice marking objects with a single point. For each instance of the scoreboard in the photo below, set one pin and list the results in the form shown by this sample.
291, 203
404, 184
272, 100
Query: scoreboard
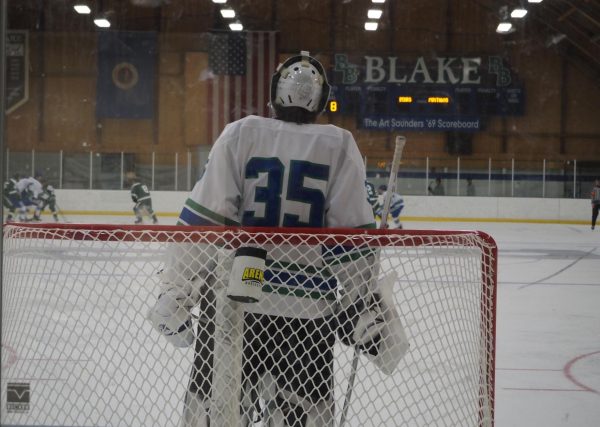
425, 107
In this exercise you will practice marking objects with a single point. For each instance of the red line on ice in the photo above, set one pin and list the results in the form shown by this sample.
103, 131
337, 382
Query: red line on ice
571, 377
12, 356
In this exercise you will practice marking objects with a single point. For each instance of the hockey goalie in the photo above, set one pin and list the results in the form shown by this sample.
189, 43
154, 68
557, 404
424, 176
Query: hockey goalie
264, 352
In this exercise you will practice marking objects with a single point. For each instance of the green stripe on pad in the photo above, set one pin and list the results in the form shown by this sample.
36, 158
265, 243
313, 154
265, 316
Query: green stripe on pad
296, 267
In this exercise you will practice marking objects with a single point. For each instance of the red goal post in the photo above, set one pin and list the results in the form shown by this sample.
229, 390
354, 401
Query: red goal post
77, 349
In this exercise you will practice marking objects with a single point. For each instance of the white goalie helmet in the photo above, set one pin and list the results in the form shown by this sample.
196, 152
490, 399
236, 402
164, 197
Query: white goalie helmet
300, 82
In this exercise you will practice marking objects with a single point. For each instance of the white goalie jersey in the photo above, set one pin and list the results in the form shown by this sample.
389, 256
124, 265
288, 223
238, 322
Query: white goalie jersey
267, 172
270, 173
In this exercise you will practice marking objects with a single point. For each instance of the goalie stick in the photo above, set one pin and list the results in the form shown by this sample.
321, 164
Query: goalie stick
399, 146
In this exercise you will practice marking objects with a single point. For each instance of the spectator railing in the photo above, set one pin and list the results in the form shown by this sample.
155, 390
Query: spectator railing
178, 171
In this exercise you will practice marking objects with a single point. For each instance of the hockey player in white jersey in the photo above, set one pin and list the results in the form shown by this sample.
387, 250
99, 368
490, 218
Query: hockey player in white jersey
284, 171
396, 206
30, 189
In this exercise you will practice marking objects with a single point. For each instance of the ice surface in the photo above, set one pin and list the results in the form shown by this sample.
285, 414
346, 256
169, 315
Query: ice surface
548, 327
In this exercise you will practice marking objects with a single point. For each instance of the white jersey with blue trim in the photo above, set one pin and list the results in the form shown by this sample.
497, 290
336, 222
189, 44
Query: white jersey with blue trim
396, 204
30, 185
267, 172
271, 173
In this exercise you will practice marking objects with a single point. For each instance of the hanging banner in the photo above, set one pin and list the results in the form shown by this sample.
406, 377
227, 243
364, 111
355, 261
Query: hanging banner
126, 74
17, 69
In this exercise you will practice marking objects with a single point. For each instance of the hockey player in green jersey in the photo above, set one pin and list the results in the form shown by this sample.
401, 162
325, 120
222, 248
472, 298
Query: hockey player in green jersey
372, 196
46, 198
11, 200
141, 197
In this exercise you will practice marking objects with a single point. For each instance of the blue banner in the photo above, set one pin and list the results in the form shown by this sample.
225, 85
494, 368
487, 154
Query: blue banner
17, 71
126, 75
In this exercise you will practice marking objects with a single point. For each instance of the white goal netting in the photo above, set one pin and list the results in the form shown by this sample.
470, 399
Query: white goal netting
78, 350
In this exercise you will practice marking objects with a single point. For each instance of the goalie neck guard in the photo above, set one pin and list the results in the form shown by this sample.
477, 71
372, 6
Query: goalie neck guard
299, 85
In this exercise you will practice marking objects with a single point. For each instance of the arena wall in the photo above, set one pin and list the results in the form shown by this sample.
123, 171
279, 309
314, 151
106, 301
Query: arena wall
167, 204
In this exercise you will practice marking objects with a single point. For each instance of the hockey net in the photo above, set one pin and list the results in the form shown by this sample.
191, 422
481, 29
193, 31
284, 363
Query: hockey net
77, 348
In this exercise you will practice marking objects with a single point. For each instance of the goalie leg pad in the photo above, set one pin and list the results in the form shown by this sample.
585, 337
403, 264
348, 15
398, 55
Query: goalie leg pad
195, 413
290, 410
288, 365
202, 369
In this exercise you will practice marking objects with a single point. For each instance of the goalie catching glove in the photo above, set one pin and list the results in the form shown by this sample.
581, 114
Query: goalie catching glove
372, 324
171, 317
187, 272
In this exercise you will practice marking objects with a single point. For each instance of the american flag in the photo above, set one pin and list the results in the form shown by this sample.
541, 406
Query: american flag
241, 68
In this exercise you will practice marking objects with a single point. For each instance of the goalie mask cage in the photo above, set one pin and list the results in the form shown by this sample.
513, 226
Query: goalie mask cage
77, 349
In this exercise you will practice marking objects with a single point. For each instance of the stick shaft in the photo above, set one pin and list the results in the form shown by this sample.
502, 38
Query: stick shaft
400, 142
399, 147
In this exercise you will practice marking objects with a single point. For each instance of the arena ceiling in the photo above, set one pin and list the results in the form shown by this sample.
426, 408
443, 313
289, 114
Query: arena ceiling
571, 27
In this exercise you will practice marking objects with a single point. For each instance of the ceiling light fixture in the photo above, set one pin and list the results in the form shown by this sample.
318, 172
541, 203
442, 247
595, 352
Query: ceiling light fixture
102, 22
534, 1
236, 26
82, 9
219, 1
370, 26
518, 12
374, 13
504, 27
378, 1
228, 13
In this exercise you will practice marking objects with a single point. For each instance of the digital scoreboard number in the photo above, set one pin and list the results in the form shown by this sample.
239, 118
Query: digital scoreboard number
449, 106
